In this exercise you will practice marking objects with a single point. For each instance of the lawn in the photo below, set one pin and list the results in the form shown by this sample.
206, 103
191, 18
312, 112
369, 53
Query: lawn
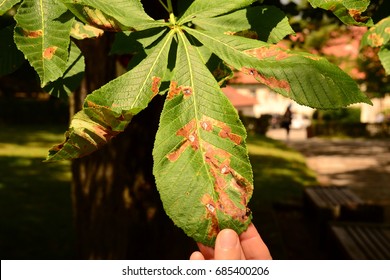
35, 205
280, 175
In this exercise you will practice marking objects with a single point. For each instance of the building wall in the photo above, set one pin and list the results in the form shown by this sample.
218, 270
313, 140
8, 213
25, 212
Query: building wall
372, 114
270, 102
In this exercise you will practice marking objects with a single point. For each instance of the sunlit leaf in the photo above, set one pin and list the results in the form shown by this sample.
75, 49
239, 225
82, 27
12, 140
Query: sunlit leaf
208, 9
42, 34
82, 31
266, 23
348, 11
108, 110
384, 56
305, 78
114, 15
5, 5
72, 77
201, 164
135, 42
379, 36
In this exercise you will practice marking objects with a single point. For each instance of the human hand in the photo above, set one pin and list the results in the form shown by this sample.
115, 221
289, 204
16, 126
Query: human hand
230, 246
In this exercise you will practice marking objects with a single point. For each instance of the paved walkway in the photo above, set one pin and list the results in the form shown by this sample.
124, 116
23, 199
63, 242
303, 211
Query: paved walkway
361, 164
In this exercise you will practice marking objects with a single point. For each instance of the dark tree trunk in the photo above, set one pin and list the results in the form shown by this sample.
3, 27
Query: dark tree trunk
117, 209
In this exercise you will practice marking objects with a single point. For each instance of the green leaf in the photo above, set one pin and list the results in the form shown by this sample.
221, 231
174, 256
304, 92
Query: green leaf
10, 57
42, 34
384, 56
208, 9
379, 36
82, 31
113, 15
266, 23
135, 42
305, 78
348, 11
108, 110
5, 5
72, 77
216, 66
201, 164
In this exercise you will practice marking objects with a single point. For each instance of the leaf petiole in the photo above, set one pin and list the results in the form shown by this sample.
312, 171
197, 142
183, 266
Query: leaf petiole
170, 9
165, 6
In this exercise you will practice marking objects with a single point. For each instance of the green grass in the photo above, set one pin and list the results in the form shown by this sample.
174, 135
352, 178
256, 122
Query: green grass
280, 175
35, 206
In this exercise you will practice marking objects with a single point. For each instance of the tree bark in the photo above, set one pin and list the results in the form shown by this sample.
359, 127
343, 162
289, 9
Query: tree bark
117, 209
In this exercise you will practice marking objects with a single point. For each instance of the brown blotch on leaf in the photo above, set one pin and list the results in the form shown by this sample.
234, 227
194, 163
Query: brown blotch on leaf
103, 132
271, 82
313, 57
226, 132
208, 123
245, 33
376, 40
49, 52
92, 104
173, 90
97, 19
155, 85
211, 213
209, 203
357, 16
189, 132
191, 139
228, 186
32, 34
268, 52
187, 91
176, 154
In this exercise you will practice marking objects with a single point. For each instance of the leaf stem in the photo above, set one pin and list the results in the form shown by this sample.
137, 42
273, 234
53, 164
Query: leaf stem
170, 9
165, 6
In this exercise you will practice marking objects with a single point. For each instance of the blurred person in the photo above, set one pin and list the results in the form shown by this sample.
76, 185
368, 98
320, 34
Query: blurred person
286, 121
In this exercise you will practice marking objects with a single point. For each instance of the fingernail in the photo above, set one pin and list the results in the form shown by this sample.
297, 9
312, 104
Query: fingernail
228, 239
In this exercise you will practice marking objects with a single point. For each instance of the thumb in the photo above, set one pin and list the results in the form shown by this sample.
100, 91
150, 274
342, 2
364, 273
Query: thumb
227, 245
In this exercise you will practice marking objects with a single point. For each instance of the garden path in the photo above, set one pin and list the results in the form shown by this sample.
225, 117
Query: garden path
360, 164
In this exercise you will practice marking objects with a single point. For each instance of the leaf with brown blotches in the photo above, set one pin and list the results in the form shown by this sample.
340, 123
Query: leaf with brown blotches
42, 34
201, 163
309, 80
378, 36
105, 114
348, 11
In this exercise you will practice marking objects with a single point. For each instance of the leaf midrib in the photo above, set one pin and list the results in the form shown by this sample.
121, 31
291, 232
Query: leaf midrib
168, 38
184, 41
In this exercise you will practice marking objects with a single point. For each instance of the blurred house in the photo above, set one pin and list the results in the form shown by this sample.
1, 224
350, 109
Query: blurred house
342, 48
253, 99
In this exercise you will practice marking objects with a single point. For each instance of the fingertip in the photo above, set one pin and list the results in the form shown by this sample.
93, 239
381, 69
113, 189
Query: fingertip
253, 245
227, 245
227, 239
196, 256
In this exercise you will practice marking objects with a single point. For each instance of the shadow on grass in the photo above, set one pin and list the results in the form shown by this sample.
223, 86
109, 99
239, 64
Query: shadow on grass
35, 209
42, 135
35, 204
280, 175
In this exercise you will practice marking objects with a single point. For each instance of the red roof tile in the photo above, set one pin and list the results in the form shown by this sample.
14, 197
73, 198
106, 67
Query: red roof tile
238, 99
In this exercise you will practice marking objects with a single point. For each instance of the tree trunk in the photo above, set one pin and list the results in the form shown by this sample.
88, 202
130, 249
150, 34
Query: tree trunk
117, 209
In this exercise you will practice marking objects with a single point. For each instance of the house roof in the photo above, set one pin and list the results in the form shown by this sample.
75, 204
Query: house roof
241, 78
238, 99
